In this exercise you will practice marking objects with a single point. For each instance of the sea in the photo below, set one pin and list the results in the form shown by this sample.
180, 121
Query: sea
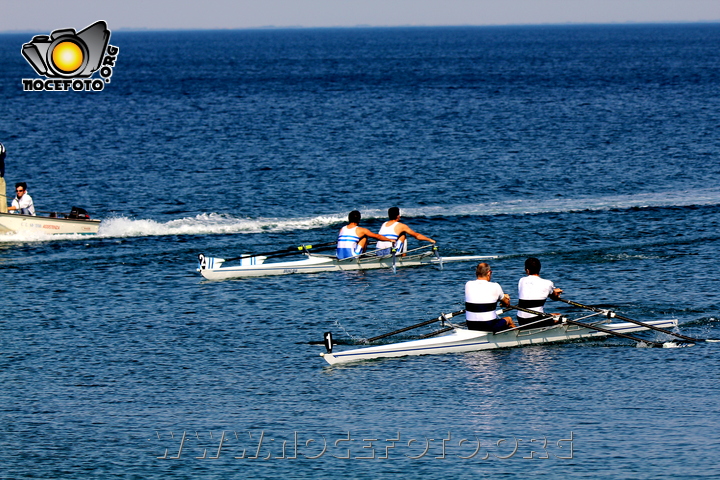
595, 148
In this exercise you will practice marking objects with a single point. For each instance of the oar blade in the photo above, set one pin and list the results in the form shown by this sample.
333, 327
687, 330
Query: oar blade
677, 344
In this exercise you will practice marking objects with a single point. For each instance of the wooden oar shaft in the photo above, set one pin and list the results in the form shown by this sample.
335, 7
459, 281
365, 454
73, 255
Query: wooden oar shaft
636, 322
422, 324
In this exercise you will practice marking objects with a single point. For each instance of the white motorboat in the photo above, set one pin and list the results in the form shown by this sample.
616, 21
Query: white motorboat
213, 268
76, 222
462, 340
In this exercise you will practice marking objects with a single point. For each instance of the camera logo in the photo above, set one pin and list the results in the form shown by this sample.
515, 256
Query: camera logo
68, 59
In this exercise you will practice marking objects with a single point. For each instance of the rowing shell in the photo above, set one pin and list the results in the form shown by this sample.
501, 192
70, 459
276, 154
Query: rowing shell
213, 269
463, 340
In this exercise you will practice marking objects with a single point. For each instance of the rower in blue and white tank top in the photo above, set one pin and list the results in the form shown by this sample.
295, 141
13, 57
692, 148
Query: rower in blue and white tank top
389, 232
347, 245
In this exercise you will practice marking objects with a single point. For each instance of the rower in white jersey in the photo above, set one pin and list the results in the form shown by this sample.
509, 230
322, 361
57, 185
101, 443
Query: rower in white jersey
481, 299
352, 239
398, 232
532, 293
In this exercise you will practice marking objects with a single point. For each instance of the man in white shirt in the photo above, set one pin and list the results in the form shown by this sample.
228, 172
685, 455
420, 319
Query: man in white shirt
22, 203
481, 297
532, 293
353, 239
398, 232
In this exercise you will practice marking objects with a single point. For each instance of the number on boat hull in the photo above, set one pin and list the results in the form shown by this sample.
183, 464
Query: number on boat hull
327, 337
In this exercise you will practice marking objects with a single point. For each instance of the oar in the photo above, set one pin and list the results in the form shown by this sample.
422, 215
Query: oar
422, 324
441, 318
442, 330
592, 327
447, 329
283, 252
636, 322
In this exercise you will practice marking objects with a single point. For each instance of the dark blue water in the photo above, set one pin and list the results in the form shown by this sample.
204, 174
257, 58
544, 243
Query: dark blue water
594, 148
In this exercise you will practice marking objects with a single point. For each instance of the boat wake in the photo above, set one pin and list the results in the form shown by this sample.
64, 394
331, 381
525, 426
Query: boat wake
210, 223
531, 206
215, 223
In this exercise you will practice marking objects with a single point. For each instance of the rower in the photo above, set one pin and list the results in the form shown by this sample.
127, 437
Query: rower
353, 239
481, 297
398, 232
533, 291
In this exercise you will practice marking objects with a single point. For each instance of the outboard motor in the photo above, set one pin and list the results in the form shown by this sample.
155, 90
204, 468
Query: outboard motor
79, 213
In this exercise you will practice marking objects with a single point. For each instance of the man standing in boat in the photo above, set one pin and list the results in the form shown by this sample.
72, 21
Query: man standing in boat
23, 203
398, 232
353, 239
481, 297
533, 291
3, 187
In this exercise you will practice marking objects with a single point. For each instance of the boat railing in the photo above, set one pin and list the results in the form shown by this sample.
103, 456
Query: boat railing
73, 215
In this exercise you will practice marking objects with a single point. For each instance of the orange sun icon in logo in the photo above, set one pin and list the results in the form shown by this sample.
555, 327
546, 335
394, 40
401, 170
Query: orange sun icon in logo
67, 57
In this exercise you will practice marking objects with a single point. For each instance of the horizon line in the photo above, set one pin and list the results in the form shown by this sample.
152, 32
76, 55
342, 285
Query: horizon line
365, 26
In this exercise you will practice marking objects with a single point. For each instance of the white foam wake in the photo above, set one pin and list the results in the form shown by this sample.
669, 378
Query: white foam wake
214, 223
209, 223
562, 204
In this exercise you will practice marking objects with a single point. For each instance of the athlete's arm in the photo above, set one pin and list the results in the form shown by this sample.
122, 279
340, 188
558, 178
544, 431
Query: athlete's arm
409, 231
364, 232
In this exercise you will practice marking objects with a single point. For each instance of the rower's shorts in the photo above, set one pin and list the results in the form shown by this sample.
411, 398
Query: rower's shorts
493, 326
343, 253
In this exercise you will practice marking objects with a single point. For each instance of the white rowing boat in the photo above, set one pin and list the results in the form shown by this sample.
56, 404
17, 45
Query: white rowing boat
77, 222
462, 340
254, 266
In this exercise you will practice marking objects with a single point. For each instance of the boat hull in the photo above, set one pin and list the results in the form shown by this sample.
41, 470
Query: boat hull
314, 263
462, 340
12, 223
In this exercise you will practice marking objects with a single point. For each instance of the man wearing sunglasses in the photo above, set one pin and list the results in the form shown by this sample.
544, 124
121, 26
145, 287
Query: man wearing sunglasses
22, 203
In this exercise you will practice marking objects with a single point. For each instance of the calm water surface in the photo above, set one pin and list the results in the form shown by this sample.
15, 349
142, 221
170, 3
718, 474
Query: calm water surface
594, 148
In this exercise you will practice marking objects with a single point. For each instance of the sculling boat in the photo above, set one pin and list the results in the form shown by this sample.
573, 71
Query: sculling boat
463, 340
76, 222
253, 265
